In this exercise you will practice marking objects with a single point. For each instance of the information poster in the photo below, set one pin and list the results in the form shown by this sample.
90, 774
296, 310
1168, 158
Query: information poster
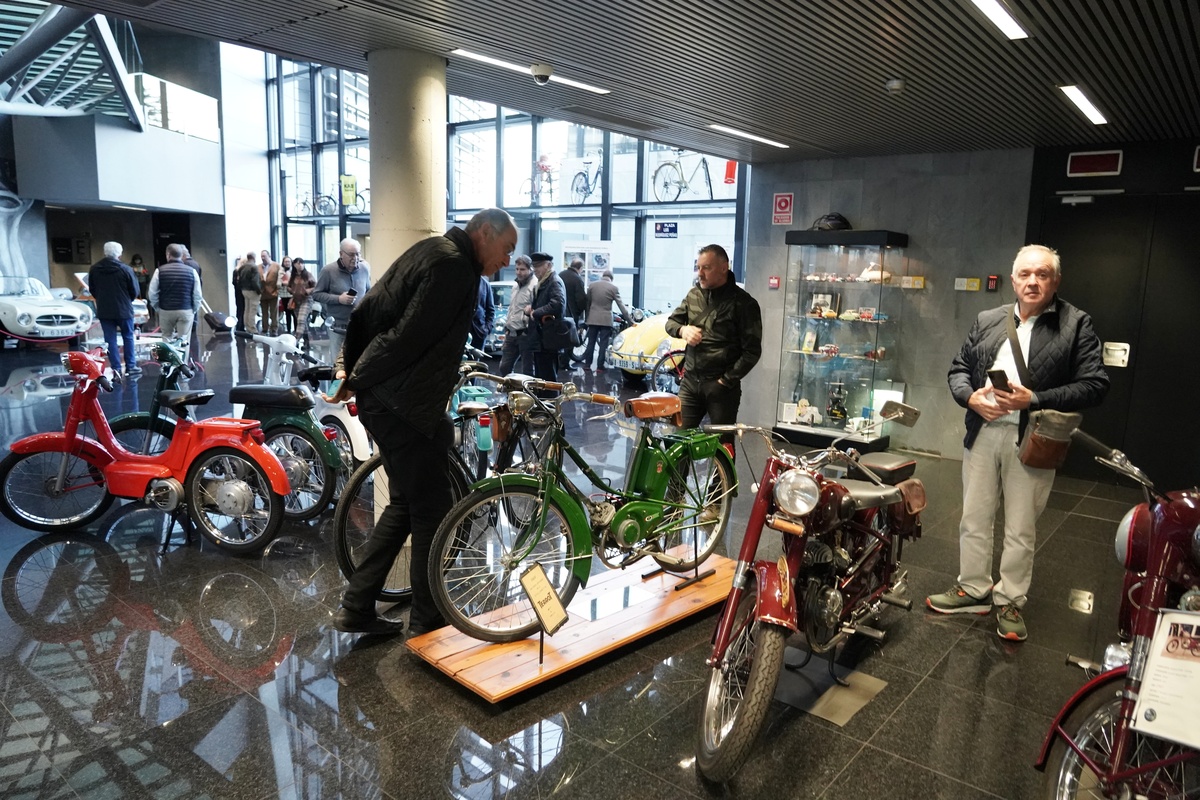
1168, 704
596, 257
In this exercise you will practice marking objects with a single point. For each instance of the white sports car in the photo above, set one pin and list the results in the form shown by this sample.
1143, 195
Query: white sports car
27, 309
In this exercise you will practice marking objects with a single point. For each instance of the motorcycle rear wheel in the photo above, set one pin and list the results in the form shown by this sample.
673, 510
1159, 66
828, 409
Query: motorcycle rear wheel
224, 469
1092, 725
739, 691
315, 492
27, 497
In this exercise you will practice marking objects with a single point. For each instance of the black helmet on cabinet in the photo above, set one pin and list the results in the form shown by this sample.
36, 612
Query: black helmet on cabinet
831, 222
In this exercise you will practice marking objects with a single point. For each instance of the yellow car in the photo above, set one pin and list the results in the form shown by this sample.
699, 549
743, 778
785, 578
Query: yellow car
637, 349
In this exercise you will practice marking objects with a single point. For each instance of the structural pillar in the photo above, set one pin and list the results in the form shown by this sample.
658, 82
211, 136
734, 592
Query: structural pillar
408, 151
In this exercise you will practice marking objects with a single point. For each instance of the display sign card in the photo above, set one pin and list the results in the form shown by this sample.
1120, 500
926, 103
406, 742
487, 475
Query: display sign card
1168, 704
541, 594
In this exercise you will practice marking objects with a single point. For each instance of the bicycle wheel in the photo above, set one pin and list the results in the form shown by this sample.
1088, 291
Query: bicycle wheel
133, 431
689, 533
346, 451
230, 500
313, 483
739, 692
326, 206
668, 372
365, 497
707, 177
359, 206
668, 182
479, 553
28, 496
580, 190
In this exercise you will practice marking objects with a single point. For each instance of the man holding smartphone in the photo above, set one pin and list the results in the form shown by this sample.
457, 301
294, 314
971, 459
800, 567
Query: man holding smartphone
338, 287
1063, 355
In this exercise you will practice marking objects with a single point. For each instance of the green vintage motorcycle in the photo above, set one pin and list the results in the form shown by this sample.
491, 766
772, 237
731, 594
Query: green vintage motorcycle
674, 507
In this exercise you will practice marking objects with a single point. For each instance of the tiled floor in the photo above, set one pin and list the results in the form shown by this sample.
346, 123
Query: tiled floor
127, 672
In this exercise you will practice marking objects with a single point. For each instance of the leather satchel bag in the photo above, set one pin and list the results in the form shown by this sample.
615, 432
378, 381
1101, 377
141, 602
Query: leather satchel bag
559, 333
1047, 437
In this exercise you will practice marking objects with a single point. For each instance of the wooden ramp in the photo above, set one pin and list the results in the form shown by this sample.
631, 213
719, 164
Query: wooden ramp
617, 607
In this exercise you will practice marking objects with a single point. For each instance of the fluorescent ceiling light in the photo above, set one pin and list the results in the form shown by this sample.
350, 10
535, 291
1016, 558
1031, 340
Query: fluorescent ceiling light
129, 208
1000, 17
744, 135
495, 62
1076, 96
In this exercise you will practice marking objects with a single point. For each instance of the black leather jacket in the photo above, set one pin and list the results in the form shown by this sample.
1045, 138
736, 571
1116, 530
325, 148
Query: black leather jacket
1064, 362
405, 338
732, 331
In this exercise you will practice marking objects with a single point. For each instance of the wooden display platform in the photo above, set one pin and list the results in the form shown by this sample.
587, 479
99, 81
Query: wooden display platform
617, 607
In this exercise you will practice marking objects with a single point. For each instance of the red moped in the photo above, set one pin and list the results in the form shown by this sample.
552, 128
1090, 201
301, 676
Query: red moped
1092, 749
842, 540
231, 485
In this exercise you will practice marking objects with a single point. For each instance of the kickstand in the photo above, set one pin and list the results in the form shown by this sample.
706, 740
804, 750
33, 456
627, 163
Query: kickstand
181, 517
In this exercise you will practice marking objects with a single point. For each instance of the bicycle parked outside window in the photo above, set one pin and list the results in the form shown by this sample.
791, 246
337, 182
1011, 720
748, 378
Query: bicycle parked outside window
669, 182
583, 186
541, 192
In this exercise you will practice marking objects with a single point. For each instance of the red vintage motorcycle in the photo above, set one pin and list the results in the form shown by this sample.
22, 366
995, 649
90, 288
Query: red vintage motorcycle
842, 541
231, 485
1091, 749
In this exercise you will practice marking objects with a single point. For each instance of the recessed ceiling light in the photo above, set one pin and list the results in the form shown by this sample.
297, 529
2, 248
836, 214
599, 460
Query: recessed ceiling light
1076, 96
744, 135
496, 62
998, 15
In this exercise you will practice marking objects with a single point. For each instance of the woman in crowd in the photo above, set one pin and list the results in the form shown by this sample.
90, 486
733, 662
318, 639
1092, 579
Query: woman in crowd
301, 286
285, 295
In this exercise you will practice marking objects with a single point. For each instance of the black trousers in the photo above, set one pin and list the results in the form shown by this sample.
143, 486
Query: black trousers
517, 353
239, 305
420, 498
700, 396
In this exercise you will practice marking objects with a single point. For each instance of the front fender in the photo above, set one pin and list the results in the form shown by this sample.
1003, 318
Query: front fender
86, 447
581, 531
776, 594
1094, 685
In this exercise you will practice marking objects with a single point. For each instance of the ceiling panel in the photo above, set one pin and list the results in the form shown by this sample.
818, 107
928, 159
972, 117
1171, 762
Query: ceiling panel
810, 74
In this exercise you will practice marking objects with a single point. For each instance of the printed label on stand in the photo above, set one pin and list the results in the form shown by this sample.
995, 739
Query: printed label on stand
1168, 704
545, 601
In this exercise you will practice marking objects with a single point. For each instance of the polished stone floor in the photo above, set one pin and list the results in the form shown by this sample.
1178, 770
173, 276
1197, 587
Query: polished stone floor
129, 672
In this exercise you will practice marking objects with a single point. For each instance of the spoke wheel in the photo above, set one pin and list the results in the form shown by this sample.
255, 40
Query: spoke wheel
313, 483
739, 692
345, 451
1093, 726
668, 182
704, 490
230, 500
362, 502
668, 372
579, 188
133, 431
480, 551
28, 496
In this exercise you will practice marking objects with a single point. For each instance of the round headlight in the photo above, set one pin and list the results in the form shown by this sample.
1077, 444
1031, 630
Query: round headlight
618, 342
796, 492
663, 348
25, 319
1133, 538
1196, 545
638, 315
519, 402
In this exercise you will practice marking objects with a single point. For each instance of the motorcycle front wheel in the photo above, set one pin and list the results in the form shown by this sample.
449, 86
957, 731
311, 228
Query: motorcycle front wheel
739, 691
1093, 727
300, 455
230, 500
479, 552
365, 497
29, 498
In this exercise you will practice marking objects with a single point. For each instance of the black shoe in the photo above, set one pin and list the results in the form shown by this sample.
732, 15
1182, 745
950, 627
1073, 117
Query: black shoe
349, 621
134, 370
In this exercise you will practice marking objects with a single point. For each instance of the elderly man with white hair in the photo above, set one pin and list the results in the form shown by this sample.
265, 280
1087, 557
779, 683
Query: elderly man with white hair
114, 288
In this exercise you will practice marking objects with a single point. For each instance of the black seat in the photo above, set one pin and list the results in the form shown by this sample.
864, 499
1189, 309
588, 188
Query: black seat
890, 467
293, 397
179, 401
868, 495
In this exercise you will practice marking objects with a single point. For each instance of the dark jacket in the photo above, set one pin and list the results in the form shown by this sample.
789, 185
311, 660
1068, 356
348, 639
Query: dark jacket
549, 301
485, 313
405, 338
576, 294
732, 331
1066, 365
114, 287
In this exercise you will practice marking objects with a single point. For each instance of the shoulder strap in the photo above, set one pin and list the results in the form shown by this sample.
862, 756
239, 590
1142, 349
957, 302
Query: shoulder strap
1018, 356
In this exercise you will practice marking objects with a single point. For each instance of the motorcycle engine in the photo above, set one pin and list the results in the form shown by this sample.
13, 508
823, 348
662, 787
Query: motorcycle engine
822, 614
164, 493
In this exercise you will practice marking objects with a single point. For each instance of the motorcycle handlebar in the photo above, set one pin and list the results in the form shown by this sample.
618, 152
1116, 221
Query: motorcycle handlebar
105, 383
1093, 445
187, 371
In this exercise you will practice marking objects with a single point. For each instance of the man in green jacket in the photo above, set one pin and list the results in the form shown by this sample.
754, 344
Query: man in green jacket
722, 326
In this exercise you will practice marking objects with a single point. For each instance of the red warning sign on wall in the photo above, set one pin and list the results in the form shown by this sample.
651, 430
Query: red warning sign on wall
783, 209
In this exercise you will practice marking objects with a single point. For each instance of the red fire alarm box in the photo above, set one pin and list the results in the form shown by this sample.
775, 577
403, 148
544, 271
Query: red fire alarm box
993, 283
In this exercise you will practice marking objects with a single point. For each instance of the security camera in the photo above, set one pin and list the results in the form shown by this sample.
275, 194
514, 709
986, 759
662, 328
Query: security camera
541, 73
894, 86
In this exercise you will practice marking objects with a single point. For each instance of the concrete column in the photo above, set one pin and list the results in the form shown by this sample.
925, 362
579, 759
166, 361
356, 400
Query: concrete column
408, 151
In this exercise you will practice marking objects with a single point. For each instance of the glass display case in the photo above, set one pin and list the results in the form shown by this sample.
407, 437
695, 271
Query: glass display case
841, 336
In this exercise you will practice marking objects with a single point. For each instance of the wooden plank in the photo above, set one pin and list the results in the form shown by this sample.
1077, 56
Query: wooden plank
499, 671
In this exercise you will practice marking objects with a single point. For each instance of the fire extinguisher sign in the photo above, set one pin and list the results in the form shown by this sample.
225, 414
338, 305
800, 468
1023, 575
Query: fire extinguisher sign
783, 209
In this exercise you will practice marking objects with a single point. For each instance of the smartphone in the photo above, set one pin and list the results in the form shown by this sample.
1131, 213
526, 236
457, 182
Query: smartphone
352, 292
334, 386
999, 379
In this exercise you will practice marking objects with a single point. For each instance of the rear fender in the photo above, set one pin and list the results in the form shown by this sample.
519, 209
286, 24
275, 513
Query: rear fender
581, 531
86, 447
776, 594
1096, 684
260, 454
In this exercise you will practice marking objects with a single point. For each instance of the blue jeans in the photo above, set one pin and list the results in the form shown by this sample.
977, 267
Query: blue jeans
111, 327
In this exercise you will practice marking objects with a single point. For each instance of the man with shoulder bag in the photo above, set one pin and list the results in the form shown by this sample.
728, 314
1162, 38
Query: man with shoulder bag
1023, 374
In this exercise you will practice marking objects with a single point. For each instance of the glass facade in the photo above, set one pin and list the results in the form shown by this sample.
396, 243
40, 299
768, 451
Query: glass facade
569, 186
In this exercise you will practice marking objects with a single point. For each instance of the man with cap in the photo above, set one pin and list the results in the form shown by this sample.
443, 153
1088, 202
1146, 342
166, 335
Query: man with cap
549, 303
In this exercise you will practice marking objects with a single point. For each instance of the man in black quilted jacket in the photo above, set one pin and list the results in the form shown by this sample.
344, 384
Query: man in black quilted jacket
404, 342
1063, 356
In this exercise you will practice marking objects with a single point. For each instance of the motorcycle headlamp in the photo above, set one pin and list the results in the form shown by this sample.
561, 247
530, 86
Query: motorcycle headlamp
1196, 545
1133, 538
796, 492
520, 402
